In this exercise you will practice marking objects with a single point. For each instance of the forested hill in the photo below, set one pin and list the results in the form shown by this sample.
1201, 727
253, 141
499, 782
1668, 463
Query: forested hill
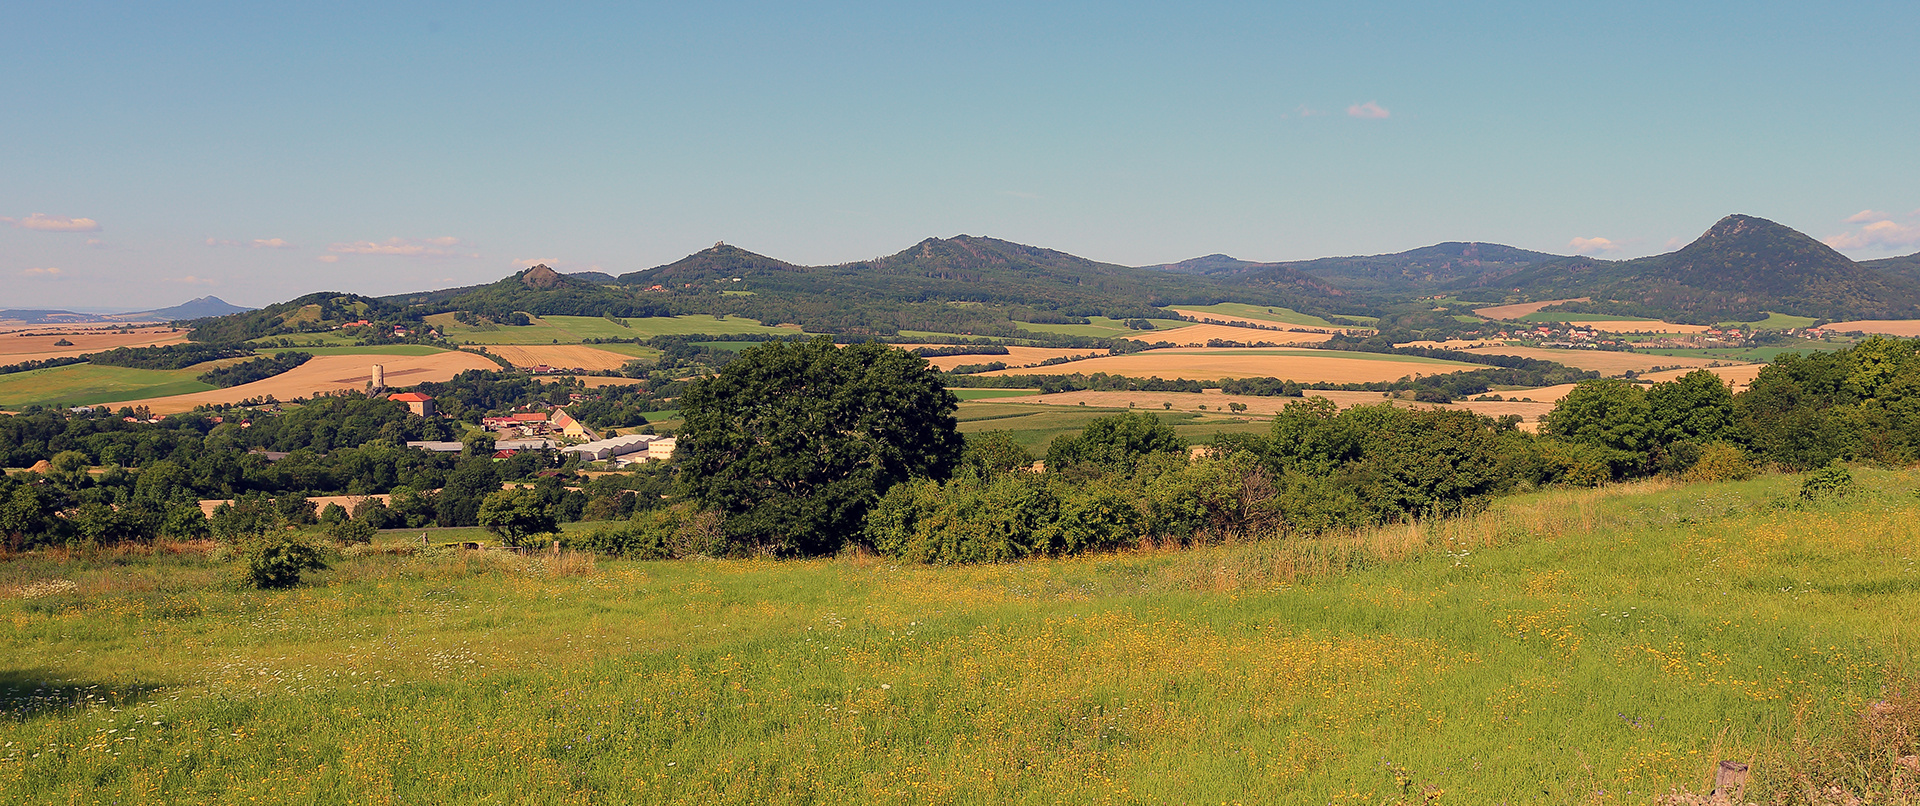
319, 311
1907, 266
1423, 270
1004, 281
1739, 269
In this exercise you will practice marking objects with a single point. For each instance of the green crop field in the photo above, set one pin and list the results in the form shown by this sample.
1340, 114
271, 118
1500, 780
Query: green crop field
326, 340
1264, 313
540, 332
1596, 646
703, 325
591, 327
1774, 321
86, 384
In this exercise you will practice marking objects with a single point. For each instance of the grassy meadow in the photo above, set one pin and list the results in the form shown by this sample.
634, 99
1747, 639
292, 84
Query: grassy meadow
86, 384
1775, 321
1596, 646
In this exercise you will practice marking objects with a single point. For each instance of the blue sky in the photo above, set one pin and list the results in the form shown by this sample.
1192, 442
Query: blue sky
150, 153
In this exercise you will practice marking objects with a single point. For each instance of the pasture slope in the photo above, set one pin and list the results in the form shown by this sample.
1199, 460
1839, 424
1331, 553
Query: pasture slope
1597, 647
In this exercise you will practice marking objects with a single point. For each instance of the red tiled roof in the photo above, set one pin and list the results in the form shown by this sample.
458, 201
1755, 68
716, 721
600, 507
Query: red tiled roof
409, 397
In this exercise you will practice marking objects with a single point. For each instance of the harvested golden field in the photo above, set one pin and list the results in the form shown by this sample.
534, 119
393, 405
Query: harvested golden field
1199, 335
1520, 309
1214, 400
1741, 376
1605, 362
1015, 357
1235, 362
1203, 316
1908, 328
327, 373
38, 344
566, 356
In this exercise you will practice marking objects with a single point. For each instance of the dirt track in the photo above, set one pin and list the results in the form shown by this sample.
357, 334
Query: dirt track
326, 373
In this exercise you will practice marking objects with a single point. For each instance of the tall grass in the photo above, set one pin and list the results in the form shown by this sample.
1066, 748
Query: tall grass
1606, 646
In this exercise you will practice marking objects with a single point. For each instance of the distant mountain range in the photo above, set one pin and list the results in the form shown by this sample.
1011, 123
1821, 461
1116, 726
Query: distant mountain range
191, 309
1739, 269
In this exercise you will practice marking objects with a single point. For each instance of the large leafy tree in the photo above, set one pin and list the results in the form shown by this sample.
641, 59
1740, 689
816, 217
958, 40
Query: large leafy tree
517, 515
1609, 413
1114, 442
794, 441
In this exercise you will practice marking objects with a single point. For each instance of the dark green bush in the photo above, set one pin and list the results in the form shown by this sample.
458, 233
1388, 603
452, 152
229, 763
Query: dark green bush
276, 560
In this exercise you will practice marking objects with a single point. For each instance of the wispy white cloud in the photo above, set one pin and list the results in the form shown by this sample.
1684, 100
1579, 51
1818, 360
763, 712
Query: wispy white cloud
1879, 231
1308, 111
96, 243
1592, 246
1369, 111
52, 272
189, 280
54, 223
404, 247
328, 258
1883, 234
257, 243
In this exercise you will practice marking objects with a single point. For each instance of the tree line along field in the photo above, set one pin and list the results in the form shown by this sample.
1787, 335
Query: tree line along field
574, 329
1301, 365
1595, 646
